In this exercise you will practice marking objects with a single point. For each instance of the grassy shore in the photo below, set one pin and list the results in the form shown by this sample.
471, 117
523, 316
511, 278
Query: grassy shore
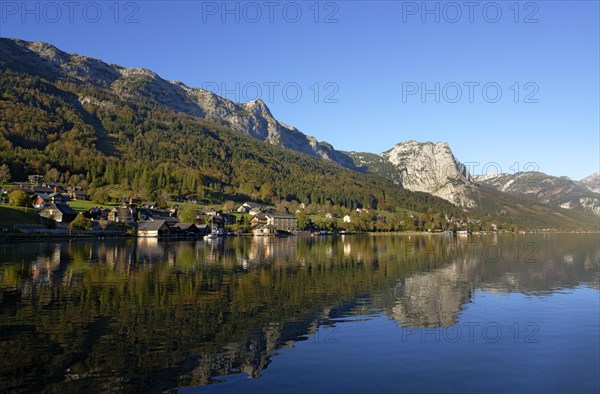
9, 216
83, 205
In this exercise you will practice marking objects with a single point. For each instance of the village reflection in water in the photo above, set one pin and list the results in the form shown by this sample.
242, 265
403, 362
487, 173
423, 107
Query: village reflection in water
151, 314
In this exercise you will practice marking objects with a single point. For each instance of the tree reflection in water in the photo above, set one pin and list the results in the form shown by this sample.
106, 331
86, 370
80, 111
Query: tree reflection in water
153, 315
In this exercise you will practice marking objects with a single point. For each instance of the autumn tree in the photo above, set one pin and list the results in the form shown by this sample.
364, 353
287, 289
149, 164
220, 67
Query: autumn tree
228, 206
52, 175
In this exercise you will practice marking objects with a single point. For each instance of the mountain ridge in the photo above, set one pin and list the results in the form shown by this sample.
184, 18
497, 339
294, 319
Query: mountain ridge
131, 113
561, 192
253, 118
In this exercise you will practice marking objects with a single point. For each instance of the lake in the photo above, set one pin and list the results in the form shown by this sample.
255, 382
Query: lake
355, 313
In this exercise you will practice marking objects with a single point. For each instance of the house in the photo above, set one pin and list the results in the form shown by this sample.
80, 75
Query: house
123, 214
169, 219
35, 179
287, 223
259, 219
361, 210
189, 229
60, 213
155, 228
249, 207
265, 230
42, 189
149, 205
77, 193
207, 215
135, 199
55, 187
40, 200
228, 218
97, 213
58, 198
347, 219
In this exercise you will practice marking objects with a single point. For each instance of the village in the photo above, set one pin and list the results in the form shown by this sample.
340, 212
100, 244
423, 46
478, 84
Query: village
52, 202
62, 209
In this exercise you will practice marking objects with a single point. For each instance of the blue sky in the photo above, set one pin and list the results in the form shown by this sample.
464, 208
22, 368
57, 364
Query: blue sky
352, 72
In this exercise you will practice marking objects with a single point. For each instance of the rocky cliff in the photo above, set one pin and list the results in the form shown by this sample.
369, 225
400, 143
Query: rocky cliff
422, 166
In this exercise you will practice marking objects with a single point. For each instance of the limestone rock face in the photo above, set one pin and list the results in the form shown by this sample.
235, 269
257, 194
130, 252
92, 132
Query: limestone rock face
432, 168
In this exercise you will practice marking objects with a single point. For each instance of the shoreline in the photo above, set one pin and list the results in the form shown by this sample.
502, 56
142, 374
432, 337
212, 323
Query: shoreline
18, 238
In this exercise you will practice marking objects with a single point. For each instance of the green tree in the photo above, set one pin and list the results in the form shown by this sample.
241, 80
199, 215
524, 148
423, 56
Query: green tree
188, 213
162, 199
19, 198
81, 223
101, 196
4, 174
302, 219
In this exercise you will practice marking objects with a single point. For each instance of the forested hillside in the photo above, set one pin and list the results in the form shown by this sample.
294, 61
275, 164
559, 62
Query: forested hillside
96, 139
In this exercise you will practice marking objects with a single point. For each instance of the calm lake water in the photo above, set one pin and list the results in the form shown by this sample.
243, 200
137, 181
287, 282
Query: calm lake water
363, 314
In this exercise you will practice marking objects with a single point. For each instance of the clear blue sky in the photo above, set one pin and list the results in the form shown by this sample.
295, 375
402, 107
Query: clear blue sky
376, 55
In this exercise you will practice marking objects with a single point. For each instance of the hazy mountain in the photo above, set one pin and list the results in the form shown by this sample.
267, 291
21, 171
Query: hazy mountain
557, 191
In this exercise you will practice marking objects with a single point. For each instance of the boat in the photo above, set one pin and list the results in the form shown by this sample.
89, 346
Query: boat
214, 232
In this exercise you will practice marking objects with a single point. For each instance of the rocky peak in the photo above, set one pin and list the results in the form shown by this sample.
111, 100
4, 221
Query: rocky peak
592, 182
258, 107
432, 168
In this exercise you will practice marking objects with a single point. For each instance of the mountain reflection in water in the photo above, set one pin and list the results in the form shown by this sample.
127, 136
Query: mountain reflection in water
151, 315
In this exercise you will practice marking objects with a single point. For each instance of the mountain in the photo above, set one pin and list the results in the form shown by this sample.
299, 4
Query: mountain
253, 118
422, 166
556, 191
592, 182
537, 201
117, 131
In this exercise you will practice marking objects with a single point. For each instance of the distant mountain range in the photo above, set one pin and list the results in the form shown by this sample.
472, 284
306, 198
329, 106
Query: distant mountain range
556, 191
416, 166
